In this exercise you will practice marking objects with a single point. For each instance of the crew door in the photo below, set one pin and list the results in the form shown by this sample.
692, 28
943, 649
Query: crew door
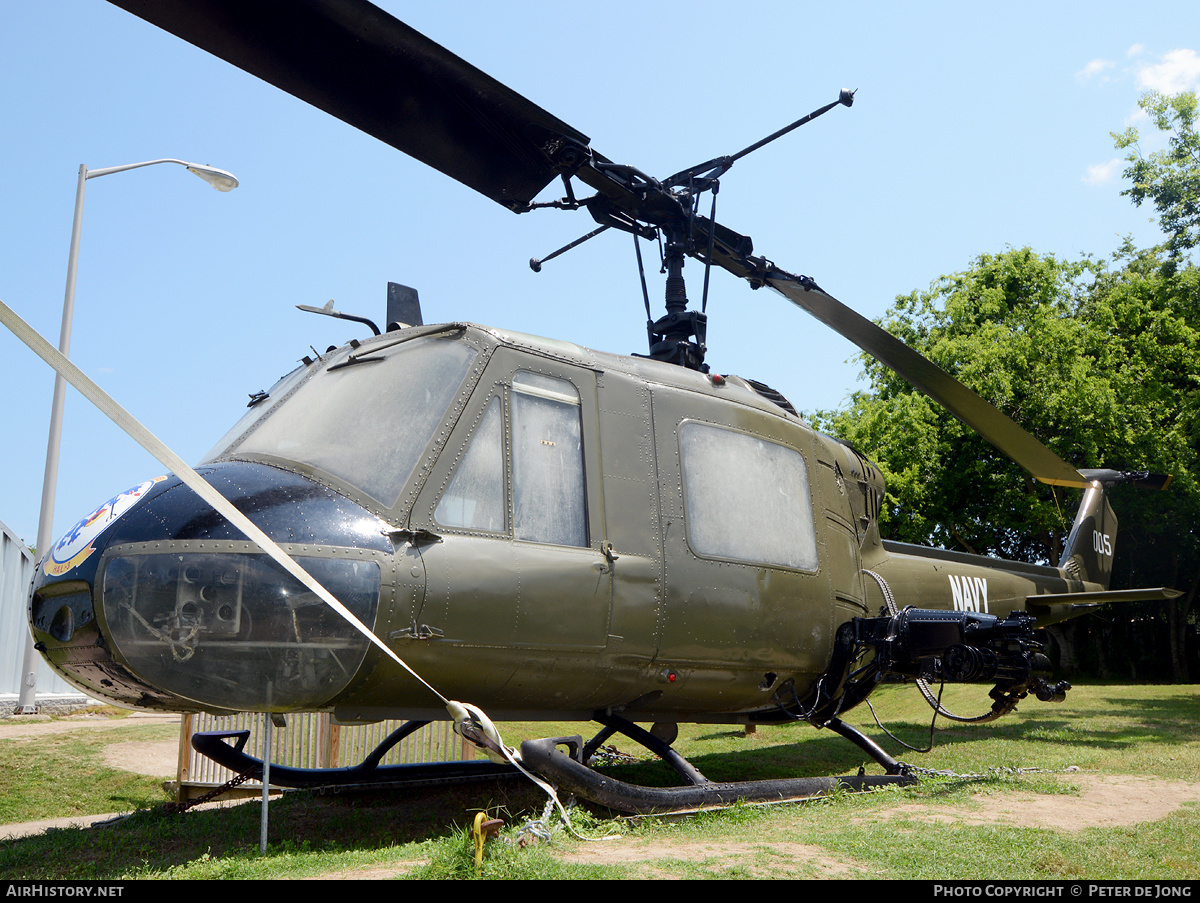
515, 507
747, 602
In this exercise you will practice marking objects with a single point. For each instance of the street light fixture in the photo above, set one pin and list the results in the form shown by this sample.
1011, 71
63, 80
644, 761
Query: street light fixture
218, 179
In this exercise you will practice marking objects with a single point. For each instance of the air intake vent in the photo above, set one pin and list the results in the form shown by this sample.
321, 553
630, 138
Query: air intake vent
772, 396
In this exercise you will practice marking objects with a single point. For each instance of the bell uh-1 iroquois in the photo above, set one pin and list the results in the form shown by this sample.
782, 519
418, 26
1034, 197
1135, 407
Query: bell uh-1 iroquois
541, 530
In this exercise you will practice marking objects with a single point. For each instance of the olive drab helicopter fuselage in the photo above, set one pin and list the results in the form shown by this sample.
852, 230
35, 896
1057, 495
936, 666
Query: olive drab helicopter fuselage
542, 530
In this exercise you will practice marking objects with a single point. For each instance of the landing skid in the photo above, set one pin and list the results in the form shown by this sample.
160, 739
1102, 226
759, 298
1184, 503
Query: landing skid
367, 773
568, 771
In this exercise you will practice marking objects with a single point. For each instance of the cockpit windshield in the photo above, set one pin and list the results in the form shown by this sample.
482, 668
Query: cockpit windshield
260, 403
366, 419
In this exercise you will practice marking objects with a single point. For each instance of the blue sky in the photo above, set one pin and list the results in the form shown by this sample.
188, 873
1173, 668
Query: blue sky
975, 128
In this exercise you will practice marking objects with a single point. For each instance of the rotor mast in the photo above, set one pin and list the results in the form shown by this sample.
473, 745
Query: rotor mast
629, 200
678, 337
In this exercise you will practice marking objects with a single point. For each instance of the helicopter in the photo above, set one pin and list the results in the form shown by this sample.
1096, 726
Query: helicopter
548, 531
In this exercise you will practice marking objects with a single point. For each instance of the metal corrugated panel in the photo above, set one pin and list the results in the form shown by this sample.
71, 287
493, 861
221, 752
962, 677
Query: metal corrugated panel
311, 741
16, 573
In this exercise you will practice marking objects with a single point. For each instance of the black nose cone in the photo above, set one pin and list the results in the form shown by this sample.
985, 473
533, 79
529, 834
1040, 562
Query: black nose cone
156, 600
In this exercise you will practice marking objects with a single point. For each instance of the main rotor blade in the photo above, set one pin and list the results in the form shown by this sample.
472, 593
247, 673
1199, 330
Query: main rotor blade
981, 416
358, 63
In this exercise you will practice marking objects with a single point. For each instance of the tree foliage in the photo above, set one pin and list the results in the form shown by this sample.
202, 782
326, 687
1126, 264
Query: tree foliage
1148, 317
1098, 359
1008, 328
1170, 178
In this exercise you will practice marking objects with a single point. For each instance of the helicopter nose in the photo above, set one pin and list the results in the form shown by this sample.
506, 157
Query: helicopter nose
156, 600
78, 544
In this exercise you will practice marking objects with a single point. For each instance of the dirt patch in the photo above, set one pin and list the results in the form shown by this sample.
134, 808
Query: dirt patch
761, 860
758, 860
375, 874
158, 759
41, 725
1104, 801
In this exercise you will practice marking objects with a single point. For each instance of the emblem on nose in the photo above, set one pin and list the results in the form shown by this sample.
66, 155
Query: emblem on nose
76, 546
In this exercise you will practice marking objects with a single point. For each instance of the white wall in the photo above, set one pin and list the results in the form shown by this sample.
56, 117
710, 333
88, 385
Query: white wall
16, 573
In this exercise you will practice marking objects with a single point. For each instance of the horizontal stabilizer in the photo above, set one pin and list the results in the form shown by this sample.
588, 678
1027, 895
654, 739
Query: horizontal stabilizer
1142, 479
1052, 608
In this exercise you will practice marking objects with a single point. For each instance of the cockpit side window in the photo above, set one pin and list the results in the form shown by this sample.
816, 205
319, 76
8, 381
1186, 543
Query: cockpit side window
476, 497
745, 498
523, 474
549, 504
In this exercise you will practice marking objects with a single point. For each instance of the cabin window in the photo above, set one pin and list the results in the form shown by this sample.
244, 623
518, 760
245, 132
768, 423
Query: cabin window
475, 498
746, 499
547, 449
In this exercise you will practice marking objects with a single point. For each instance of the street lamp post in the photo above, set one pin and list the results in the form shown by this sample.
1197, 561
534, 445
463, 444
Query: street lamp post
218, 179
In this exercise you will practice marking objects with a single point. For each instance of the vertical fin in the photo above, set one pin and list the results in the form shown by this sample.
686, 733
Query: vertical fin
1089, 551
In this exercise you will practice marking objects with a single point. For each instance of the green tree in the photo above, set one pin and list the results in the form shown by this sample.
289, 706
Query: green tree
1099, 362
1169, 178
1147, 313
1007, 328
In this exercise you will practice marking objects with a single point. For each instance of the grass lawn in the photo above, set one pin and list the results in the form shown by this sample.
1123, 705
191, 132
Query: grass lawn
1050, 792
